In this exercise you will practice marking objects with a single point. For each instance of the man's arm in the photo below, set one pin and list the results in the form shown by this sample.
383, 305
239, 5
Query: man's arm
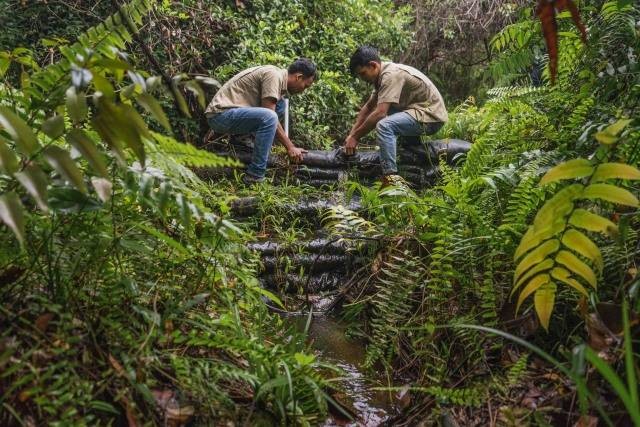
364, 112
294, 152
367, 124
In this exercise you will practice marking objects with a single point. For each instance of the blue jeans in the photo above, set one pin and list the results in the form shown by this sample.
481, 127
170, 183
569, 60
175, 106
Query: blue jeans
262, 122
399, 124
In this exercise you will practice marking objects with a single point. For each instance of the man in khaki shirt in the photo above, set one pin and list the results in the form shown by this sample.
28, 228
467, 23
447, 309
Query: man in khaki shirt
250, 103
404, 103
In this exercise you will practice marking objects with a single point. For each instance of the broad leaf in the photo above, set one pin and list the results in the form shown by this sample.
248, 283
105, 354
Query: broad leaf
615, 171
576, 266
153, 107
193, 87
105, 129
578, 242
531, 287
536, 256
558, 206
544, 265
576, 168
61, 161
19, 131
586, 220
609, 135
53, 127
610, 193
83, 143
76, 105
533, 237
12, 214
543, 301
34, 180
564, 275
8, 159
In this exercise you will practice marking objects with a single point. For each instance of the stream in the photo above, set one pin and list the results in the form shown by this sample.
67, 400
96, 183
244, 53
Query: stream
327, 335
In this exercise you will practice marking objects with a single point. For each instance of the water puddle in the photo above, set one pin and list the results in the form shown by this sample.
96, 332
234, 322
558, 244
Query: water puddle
328, 336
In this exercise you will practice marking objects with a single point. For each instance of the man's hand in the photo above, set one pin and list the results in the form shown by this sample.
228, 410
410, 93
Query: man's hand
350, 145
296, 154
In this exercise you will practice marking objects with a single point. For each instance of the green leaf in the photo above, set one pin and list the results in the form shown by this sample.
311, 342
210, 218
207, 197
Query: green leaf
76, 105
558, 206
269, 295
586, 220
153, 107
610, 193
304, 359
103, 188
103, 86
576, 168
544, 265
53, 127
8, 159
543, 301
34, 180
61, 161
533, 237
12, 214
536, 256
615, 171
576, 266
179, 98
166, 239
532, 286
19, 131
83, 143
564, 275
578, 242
609, 135
105, 129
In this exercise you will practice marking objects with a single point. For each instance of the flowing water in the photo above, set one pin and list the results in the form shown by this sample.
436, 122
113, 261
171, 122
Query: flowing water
328, 336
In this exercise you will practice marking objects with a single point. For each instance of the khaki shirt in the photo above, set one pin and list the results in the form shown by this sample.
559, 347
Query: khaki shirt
249, 87
411, 92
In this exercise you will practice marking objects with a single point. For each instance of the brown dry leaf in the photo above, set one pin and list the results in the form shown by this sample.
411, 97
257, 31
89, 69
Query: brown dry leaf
116, 366
586, 421
404, 397
42, 321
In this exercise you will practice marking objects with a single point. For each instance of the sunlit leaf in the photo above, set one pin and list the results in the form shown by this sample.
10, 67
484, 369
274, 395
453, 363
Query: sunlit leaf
586, 220
12, 214
572, 169
8, 159
61, 161
564, 275
543, 301
194, 87
34, 180
536, 256
609, 135
83, 143
610, 193
533, 237
533, 285
576, 266
615, 171
19, 131
578, 242
558, 206
544, 265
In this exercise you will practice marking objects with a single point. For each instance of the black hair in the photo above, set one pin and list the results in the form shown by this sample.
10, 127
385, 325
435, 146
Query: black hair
304, 66
362, 56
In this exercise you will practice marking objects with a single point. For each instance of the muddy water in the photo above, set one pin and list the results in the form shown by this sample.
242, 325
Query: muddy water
327, 335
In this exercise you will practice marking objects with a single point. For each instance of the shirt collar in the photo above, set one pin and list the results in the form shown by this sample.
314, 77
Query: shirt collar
383, 67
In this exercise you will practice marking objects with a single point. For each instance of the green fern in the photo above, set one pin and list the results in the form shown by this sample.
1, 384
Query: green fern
553, 248
189, 155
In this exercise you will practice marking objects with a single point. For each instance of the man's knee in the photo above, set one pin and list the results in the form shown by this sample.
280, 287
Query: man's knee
270, 117
384, 126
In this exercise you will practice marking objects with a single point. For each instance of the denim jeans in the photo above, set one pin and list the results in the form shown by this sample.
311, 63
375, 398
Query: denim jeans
259, 121
399, 124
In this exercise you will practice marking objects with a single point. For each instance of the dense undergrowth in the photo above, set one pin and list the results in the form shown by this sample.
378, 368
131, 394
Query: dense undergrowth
127, 295
449, 257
